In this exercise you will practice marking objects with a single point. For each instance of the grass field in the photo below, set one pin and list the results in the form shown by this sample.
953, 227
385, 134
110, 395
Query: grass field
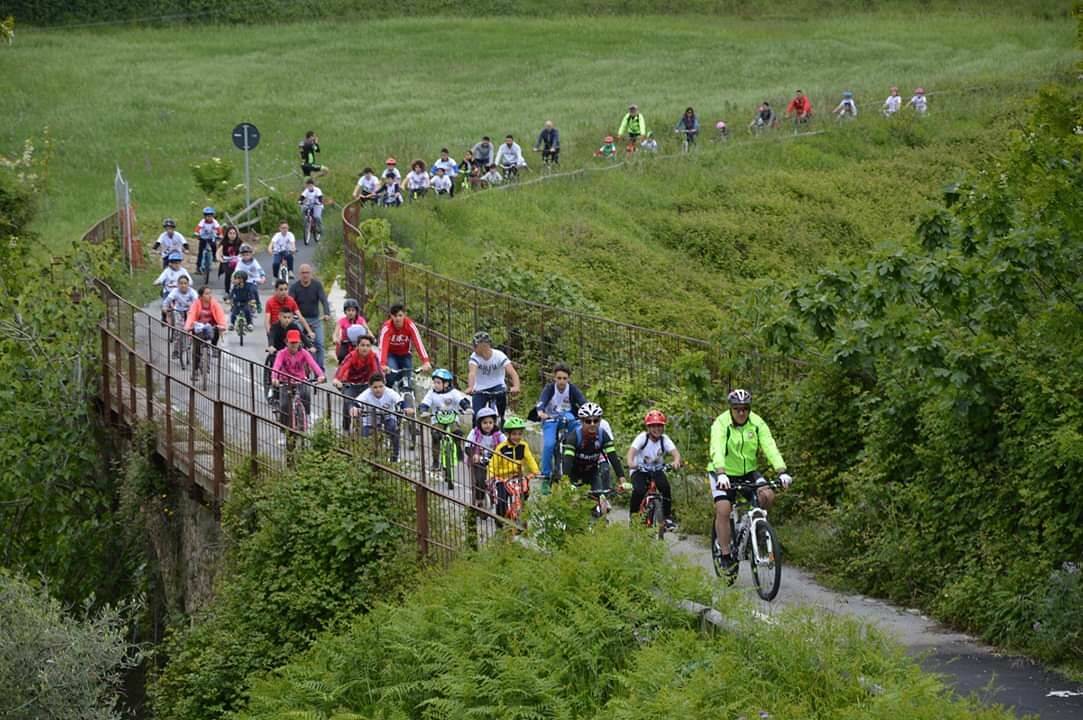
155, 101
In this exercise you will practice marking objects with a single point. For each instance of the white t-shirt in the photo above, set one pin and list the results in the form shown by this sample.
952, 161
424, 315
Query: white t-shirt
892, 104
441, 183
450, 401
650, 454
392, 172
388, 401
311, 197
169, 277
283, 243
561, 402
177, 300
919, 103
493, 177
369, 184
417, 180
169, 244
490, 373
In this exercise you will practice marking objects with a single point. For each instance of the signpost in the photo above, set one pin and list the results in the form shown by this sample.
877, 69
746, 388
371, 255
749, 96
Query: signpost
246, 137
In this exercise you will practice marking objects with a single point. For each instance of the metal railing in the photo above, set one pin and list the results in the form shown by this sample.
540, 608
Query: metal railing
210, 431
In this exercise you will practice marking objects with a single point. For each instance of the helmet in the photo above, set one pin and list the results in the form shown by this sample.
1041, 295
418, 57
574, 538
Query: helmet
175, 256
351, 303
482, 337
241, 274
721, 125
443, 374
245, 248
208, 210
514, 422
739, 397
847, 94
919, 91
391, 161
354, 333
654, 417
488, 412
590, 410
609, 138
169, 223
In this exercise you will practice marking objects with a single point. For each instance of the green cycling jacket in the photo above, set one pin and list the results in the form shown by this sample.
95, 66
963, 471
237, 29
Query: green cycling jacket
734, 450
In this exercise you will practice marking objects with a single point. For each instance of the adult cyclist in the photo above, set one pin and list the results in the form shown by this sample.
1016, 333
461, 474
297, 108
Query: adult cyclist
737, 437
584, 448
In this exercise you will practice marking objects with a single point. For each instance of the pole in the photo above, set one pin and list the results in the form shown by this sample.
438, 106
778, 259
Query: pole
247, 179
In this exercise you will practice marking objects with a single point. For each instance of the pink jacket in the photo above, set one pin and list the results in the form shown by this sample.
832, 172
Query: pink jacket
217, 314
292, 367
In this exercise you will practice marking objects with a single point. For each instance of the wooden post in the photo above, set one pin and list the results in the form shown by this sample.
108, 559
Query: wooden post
422, 495
131, 386
118, 373
219, 441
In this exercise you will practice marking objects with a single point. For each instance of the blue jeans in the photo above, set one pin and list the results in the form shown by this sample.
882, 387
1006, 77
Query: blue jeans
278, 258
317, 327
550, 440
402, 366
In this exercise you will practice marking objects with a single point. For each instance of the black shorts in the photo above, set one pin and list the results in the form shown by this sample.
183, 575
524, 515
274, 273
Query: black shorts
307, 169
632, 137
731, 493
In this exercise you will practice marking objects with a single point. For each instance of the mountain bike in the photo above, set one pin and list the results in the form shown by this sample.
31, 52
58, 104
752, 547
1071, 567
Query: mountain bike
241, 326
283, 268
689, 140
372, 422
516, 489
313, 226
511, 172
182, 341
448, 454
751, 538
564, 422
652, 509
201, 365
206, 259
296, 417
400, 382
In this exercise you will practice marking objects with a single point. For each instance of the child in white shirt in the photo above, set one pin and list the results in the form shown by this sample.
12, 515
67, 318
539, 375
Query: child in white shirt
918, 102
441, 183
893, 103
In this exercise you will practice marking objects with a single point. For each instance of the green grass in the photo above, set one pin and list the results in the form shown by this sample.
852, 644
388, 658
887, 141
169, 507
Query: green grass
156, 100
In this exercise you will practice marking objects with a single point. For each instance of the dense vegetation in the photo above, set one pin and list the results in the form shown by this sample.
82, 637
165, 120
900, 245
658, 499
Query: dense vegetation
593, 631
309, 550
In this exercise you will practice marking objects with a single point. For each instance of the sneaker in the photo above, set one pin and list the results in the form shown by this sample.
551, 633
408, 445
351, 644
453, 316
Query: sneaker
671, 524
230, 329
727, 561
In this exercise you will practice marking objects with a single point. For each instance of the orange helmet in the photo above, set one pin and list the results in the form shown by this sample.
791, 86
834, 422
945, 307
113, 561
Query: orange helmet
654, 417
391, 161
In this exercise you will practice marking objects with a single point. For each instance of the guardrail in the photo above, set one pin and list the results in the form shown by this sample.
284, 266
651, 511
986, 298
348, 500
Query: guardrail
210, 431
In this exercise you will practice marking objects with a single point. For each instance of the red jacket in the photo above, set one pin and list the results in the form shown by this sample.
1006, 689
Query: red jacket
800, 105
358, 370
397, 341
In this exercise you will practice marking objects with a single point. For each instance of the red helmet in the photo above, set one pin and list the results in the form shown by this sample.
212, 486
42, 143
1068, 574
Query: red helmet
391, 161
654, 417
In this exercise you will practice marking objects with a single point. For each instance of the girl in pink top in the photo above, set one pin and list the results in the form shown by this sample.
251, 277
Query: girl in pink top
351, 315
291, 367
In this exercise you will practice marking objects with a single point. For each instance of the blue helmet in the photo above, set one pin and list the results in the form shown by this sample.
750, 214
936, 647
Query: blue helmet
175, 256
443, 374
208, 210
847, 94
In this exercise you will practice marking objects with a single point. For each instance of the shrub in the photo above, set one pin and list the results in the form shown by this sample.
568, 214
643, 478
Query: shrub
213, 177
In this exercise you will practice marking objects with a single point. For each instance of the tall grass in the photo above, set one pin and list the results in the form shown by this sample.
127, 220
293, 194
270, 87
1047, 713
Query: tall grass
155, 100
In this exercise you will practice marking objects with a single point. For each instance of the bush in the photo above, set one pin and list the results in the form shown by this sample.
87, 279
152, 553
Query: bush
213, 177
311, 549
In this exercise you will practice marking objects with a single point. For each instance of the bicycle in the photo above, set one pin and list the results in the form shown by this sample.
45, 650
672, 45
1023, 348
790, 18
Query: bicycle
399, 381
751, 538
652, 509
516, 488
283, 268
689, 140
201, 369
511, 172
297, 419
242, 327
181, 341
564, 422
206, 259
448, 454
313, 229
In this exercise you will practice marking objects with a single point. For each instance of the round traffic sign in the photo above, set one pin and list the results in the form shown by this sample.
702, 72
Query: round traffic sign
245, 136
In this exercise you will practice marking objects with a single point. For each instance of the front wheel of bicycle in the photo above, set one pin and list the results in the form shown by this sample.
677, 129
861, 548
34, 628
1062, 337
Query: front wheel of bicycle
765, 560
447, 459
729, 574
659, 518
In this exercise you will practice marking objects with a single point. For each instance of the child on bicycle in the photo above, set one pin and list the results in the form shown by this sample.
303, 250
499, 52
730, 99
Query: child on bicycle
764, 118
250, 266
441, 183
377, 406
311, 202
442, 401
491, 177
391, 170
649, 143
893, 103
484, 439
417, 180
559, 401
351, 317
390, 192
367, 185
240, 295
179, 300
281, 249
846, 108
293, 366
608, 150
170, 276
646, 461
918, 102
511, 468
209, 232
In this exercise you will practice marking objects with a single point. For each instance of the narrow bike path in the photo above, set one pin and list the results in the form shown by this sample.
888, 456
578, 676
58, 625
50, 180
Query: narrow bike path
966, 664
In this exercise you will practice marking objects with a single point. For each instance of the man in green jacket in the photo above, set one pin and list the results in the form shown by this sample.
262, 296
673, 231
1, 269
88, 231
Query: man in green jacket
737, 436
633, 125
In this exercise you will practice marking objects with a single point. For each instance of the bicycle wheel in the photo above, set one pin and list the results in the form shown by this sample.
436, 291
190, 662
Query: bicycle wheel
765, 559
300, 415
242, 329
658, 518
447, 459
728, 573
182, 349
206, 260
204, 364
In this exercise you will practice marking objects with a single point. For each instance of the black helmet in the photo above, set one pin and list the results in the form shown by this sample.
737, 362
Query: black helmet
351, 303
169, 223
482, 337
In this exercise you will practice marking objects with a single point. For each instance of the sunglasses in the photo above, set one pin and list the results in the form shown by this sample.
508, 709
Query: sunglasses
591, 421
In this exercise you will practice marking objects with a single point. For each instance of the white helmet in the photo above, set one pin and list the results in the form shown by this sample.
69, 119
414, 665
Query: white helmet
590, 410
740, 397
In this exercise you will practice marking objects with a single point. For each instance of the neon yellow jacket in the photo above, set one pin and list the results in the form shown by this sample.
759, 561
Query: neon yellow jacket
633, 125
735, 450
508, 458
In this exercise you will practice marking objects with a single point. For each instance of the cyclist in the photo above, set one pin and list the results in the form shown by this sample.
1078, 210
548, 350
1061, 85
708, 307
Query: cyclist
483, 152
737, 436
442, 184
491, 177
179, 299
512, 461
649, 143
206, 320
309, 148
484, 439
608, 149
351, 317
470, 170
559, 399
209, 232
170, 240
893, 103
918, 102
633, 125
448, 165
390, 192
443, 397
231, 250
356, 371
417, 180
846, 108
379, 403
293, 366
240, 297
391, 170
311, 202
583, 450
251, 267
281, 249
488, 370
549, 144
646, 461
509, 156
367, 186
169, 277
800, 108
276, 340
398, 337
282, 300
764, 119
689, 125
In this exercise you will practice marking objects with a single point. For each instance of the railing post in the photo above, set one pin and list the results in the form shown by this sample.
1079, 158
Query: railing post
131, 385
219, 440
169, 419
422, 495
118, 372
148, 381
253, 441
107, 399
192, 434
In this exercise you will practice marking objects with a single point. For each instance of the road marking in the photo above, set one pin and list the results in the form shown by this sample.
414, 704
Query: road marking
1063, 693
